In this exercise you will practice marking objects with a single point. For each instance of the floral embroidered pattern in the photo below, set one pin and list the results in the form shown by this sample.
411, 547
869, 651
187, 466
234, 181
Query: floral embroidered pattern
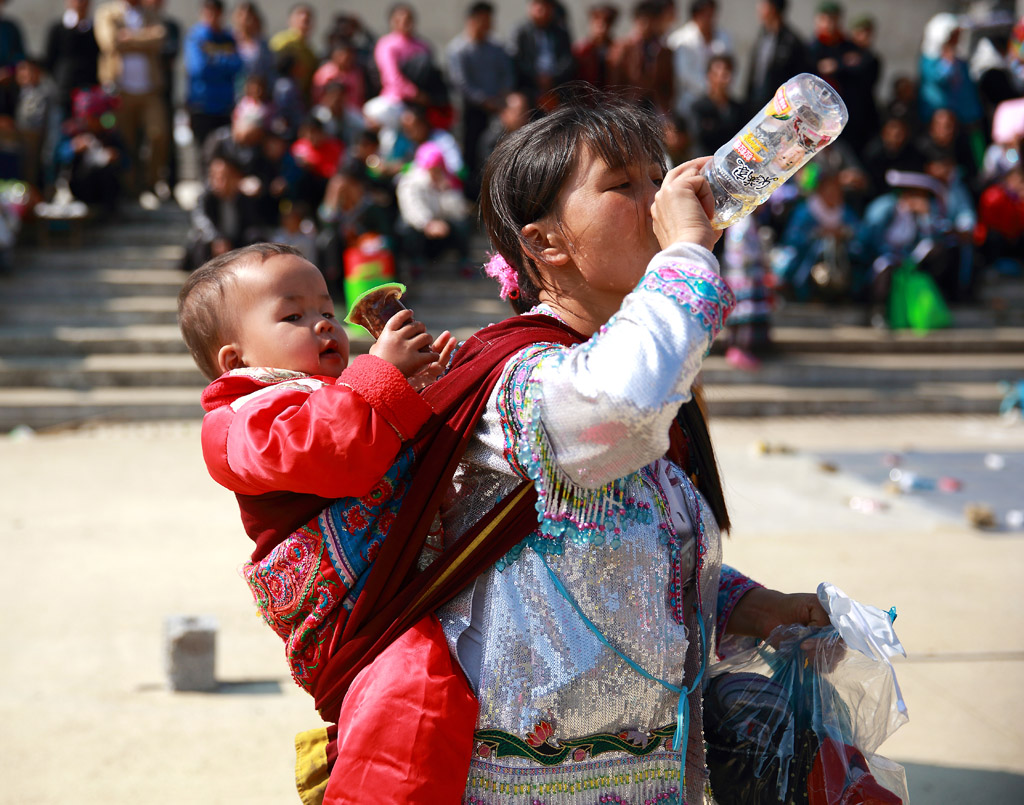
266, 374
512, 398
354, 528
311, 580
296, 597
701, 291
540, 747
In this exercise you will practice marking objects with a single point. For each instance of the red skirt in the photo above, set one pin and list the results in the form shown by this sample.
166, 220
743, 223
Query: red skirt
405, 732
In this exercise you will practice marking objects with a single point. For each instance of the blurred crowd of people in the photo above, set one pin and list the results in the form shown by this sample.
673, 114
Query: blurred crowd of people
358, 138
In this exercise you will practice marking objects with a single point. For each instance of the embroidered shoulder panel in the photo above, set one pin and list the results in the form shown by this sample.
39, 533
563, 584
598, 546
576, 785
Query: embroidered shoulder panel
511, 399
564, 509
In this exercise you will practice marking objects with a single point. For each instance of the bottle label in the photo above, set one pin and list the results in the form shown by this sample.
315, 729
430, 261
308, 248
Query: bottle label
746, 176
780, 108
810, 139
749, 147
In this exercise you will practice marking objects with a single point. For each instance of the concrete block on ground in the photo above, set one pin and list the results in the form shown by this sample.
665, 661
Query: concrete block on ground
189, 652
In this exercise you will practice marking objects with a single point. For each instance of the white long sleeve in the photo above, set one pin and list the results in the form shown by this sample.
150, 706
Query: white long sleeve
580, 418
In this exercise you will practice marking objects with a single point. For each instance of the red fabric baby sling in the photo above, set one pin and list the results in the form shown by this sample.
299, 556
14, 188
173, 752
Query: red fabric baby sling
404, 709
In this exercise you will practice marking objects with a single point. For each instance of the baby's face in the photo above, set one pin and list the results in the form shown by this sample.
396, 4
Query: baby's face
284, 318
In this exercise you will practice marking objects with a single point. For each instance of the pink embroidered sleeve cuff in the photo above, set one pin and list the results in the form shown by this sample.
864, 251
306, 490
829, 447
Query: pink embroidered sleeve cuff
686, 274
732, 586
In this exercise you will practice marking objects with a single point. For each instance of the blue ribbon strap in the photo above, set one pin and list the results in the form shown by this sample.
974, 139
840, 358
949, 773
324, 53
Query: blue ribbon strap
679, 740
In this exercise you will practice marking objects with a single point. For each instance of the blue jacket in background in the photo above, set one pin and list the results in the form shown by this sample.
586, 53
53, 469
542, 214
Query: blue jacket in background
211, 65
948, 85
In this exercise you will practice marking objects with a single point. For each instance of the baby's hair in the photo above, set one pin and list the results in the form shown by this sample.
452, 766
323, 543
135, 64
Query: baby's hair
201, 314
525, 173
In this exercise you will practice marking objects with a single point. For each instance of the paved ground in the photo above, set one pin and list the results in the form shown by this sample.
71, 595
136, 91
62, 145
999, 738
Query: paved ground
108, 530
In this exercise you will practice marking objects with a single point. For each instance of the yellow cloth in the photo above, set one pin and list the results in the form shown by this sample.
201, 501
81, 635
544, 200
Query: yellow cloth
311, 771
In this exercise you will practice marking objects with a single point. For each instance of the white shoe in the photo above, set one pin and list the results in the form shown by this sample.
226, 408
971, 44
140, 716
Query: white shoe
149, 201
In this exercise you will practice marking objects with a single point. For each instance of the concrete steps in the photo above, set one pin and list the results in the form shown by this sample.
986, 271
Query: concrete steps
90, 311
851, 370
763, 400
57, 339
99, 370
801, 372
89, 334
47, 407
48, 282
860, 340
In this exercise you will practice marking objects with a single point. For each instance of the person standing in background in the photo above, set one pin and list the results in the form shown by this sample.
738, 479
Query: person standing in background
212, 65
778, 54
829, 49
168, 56
482, 73
399, 45
12, 51
253, 50
72, 53
541, 51
295, 41
718, 116
131, 39
37, 97
692, 45
591, 54
863, 68
946, 82
745, 268
642, 62
349, 28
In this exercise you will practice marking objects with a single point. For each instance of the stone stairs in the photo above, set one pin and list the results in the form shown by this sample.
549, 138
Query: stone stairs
88, 333
827, 360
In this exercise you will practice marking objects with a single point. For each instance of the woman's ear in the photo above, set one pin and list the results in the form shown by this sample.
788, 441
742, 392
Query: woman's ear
229, 357
547, 243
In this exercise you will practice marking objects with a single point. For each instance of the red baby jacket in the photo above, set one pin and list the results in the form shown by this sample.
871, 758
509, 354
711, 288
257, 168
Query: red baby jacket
287, 444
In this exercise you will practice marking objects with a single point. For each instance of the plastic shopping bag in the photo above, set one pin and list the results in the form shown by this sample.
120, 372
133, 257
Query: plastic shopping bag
798, 718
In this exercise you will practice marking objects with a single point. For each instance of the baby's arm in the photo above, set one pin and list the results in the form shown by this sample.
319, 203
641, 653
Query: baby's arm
331, 440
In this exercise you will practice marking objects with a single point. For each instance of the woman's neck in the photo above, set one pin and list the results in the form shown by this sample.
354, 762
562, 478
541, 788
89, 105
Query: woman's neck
584, 310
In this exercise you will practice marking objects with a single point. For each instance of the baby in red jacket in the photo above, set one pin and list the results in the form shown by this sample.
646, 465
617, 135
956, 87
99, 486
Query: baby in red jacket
291, 427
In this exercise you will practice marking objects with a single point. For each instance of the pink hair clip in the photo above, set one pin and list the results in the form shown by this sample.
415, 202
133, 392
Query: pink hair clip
498, 268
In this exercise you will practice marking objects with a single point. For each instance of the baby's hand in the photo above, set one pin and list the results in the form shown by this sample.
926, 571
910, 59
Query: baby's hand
443, 345
405, 343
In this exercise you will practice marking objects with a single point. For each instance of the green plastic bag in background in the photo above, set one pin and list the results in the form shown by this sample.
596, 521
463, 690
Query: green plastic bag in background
915, 301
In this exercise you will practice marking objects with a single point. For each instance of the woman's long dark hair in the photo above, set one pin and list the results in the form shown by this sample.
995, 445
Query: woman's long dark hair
521, 184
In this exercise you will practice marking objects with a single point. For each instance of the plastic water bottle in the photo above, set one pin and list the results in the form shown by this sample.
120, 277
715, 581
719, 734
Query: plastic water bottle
804, 116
